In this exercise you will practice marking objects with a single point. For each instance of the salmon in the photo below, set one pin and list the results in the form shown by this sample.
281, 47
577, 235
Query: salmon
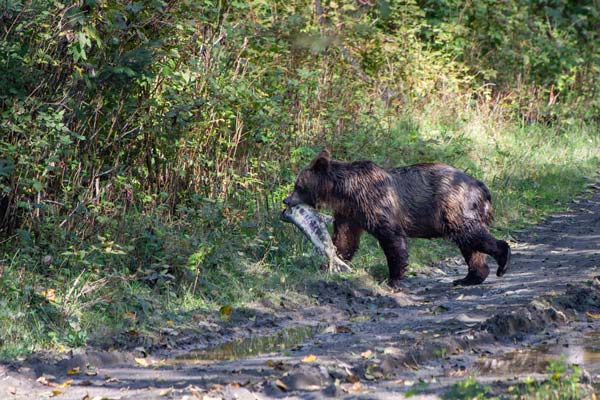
313, 225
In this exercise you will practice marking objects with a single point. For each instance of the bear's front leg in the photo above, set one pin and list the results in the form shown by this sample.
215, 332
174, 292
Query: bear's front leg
346, 236
394, 244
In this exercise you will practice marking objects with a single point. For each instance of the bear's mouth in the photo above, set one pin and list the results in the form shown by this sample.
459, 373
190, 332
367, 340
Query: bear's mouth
285, 214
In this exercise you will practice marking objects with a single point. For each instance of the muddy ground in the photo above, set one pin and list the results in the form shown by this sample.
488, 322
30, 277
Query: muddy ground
354, 343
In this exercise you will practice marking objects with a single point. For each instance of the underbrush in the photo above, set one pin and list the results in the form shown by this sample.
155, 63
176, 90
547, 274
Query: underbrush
141, 271
563, 383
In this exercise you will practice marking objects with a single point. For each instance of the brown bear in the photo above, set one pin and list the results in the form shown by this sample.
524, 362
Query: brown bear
422, 200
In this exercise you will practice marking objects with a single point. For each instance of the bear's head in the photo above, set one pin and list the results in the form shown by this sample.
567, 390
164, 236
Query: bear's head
313, 184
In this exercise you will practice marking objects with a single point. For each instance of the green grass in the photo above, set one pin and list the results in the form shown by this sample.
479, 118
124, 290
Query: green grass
151, 271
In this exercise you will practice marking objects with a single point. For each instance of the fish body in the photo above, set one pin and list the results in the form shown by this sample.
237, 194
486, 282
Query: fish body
313, 225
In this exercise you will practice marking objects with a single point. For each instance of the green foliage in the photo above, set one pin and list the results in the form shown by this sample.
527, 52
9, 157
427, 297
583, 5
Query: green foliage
468, 389
145, 147
562, 384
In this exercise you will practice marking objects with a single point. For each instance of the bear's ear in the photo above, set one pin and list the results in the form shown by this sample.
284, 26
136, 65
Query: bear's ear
321, 162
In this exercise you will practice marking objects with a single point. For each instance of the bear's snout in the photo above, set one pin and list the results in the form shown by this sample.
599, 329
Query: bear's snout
291, 200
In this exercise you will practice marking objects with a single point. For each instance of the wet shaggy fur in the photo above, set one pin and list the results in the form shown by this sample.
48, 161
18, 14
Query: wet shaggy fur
421, 200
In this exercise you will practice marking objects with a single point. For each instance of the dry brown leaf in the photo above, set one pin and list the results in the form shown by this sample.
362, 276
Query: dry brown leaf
49, 294
130, 315
42, 379
65, 384
225, 311
142, 361
366, 354
309, 358
73, 371
279, 383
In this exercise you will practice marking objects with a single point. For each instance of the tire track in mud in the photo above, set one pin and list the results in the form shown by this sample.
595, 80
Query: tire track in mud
373, 345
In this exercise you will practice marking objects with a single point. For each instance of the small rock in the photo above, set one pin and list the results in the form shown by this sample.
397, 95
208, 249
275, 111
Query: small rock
237, 393
332, 391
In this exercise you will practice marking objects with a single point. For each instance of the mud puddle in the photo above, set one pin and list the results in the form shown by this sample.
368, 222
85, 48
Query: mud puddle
236, 349
583, 351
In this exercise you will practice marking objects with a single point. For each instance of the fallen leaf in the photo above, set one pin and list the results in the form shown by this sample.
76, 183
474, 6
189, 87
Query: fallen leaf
12, 390
42, 379
49, 294
309, 358
73, 371
225, 311
279, 383
65, 384
56, 392
593, 315
366, 354
130, 315
142, 361
165, 392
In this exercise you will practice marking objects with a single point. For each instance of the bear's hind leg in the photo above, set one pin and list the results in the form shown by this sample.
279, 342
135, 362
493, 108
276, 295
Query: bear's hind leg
478, 269
503, 258
499, 249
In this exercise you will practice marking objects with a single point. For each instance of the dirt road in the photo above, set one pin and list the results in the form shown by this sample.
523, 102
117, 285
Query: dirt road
353, 343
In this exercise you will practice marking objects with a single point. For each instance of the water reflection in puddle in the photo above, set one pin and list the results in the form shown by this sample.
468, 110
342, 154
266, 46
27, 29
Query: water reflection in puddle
241, 348
584, 351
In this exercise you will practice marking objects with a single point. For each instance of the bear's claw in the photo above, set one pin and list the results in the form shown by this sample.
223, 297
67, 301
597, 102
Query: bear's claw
504, 262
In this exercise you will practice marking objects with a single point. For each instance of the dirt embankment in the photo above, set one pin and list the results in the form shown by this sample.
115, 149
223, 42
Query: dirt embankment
356, 343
